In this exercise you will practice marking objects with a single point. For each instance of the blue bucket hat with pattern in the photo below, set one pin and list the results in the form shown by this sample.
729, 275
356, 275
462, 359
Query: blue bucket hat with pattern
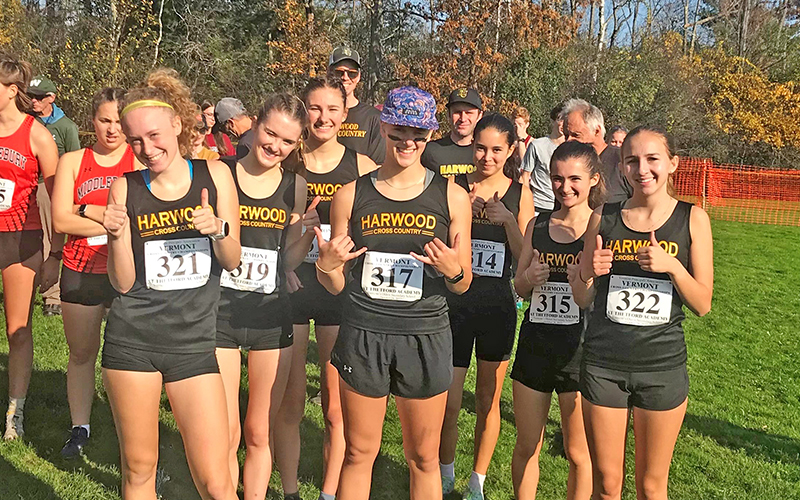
410, 107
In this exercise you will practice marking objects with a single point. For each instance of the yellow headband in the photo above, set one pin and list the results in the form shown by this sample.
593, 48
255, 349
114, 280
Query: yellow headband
143, 104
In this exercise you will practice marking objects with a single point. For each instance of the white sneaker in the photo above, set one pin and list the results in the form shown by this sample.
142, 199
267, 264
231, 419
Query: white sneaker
14, 427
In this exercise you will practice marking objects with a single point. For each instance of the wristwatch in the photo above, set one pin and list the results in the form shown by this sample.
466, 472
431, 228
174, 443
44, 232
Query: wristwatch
455, 279
82, 210
223, 232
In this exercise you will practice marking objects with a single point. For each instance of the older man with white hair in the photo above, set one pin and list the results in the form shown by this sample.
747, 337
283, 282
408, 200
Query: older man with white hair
583, 122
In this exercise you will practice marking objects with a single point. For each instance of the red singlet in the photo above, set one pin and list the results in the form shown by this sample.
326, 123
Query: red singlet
19, 179
89, 255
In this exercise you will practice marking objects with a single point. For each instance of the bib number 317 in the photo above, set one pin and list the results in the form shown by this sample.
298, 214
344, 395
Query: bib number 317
638, 301
391, 276
177, 264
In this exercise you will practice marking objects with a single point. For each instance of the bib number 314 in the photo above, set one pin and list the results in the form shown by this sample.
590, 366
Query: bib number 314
392, 276
488, 258
6, 194
177, 264
639, 301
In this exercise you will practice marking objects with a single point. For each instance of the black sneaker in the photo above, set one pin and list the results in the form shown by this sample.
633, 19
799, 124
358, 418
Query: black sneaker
51, 310
74, 445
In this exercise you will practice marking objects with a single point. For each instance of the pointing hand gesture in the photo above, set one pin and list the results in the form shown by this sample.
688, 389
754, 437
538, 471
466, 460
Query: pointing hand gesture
115, 218
203, 218
333, 254
441, 257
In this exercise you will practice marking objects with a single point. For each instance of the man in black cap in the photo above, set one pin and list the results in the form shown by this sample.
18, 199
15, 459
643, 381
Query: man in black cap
361, 129
452, 155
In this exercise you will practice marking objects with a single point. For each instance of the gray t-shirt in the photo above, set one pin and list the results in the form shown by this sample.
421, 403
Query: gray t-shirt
537, 162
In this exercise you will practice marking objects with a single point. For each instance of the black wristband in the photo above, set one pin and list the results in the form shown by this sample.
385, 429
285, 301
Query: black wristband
455, 279
82, 210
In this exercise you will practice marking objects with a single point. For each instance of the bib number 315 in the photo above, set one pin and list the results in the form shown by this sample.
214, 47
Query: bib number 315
391, 276
638, 301
552, 304
180, 264
6, 194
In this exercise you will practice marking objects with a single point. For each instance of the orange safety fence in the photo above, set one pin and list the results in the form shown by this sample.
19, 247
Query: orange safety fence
740, 193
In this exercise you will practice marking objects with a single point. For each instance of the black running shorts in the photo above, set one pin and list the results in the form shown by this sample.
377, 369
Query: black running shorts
657, 391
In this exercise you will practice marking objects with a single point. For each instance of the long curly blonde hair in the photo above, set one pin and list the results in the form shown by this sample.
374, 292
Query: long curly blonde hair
165, 85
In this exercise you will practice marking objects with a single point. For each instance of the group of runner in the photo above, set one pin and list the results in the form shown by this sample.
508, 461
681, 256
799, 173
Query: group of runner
405, 274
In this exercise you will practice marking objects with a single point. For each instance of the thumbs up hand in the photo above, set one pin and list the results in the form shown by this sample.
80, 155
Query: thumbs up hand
538, 272
311, 217
115, 217
602, 258
203, 218
653, 258
477, 202
497, 212
573, 270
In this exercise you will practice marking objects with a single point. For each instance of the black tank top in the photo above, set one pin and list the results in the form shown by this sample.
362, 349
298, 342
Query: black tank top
392, 292
325, 186
254, 295
554, 323
491, 256
172, 305
637, 320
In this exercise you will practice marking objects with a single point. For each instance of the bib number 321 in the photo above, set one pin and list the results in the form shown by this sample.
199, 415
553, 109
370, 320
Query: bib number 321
180, 264
392, 276
638, 301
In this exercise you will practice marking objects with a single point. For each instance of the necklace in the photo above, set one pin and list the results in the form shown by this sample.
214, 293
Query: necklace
657, 220
386, 180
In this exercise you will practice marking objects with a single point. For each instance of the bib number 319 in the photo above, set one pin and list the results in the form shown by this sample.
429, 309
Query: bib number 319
392, 276
256, 272
6, 194
637, 301
177, 264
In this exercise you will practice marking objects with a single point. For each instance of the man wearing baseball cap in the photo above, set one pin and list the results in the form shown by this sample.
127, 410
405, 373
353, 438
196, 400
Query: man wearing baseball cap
361, 128
42, 92
232, 118
452, 154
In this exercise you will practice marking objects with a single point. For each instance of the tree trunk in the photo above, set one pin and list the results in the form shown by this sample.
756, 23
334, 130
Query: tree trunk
602, 24
591, 21
633, 24
309, 7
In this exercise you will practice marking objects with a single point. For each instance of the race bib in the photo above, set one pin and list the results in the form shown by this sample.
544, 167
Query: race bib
488, 258
177, 264
637, 301
552, 304
392, 276
96, 241
257, 272
313, 254
6, 194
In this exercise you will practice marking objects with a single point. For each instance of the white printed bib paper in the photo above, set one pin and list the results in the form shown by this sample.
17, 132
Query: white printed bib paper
488, 258
257, 272
638, 301
313, 254
552, 304
392, 276
6, 194
96, 241
180, 264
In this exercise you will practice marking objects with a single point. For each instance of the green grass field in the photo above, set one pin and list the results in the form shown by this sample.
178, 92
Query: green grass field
740, 439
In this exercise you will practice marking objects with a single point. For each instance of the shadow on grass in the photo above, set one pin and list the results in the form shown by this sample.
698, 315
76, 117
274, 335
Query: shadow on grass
19, 484
506, 407
755, 443
47, 421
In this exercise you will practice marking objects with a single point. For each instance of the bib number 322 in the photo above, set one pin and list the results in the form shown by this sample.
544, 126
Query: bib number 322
638, 301
177, 264
392, 276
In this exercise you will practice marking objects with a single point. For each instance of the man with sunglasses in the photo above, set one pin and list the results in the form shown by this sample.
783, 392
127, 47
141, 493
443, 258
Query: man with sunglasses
452, 155
42, 92
361, 130
233, 118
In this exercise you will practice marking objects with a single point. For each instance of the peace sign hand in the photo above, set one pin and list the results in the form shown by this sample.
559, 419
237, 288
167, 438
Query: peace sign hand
333, 254
442, 257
